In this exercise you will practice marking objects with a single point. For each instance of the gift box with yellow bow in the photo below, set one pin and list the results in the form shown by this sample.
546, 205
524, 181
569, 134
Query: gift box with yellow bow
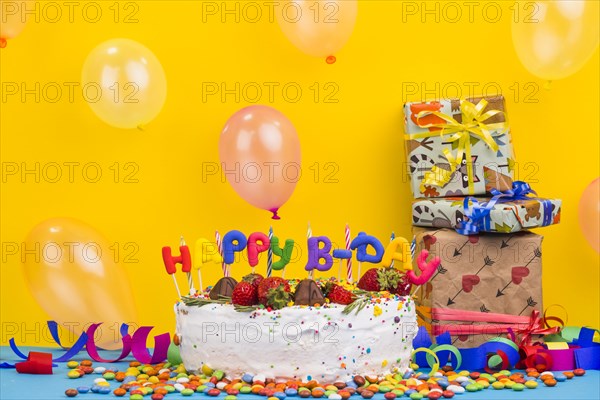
458, 147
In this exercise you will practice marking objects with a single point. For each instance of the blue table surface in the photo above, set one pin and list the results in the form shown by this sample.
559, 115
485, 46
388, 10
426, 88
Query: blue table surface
22, 386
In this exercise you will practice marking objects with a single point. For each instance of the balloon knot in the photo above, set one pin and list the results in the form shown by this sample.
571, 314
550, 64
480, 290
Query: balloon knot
141, 128
2, 43
274, 211
548, 85
330, 59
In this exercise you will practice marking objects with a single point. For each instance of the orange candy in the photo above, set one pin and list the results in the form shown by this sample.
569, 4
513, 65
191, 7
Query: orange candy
550, 382
119, 392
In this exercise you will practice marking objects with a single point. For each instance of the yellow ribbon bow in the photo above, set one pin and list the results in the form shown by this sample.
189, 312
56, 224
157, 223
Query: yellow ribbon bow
473, 124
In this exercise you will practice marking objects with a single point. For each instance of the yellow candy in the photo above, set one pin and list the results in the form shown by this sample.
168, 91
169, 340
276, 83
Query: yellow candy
531, 384
72, 364
383, 383
508, 383
238, 385
411, 382
153, 379
103, 384
498, 385
73, 374
331, 387
483, 382
392, 381
452, 377
142, 376
424, 392
464, 373
132, 372
206, 370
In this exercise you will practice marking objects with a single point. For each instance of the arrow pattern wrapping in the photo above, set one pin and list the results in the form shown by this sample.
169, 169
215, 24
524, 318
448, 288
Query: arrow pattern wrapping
493, 263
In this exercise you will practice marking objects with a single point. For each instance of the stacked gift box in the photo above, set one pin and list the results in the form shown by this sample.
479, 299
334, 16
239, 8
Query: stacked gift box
469, 212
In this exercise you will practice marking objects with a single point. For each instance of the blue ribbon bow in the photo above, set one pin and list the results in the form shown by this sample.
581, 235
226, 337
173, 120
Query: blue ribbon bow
478, 213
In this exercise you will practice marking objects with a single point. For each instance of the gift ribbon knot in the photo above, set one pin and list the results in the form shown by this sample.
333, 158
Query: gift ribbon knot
477, 213
472, 124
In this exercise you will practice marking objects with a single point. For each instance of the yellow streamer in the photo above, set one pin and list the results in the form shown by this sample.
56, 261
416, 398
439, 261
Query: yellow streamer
436, 361
472, 123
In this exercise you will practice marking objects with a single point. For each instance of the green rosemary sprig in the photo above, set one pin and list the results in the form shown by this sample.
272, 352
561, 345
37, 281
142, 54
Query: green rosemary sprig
200, 301
358, 305
249, 308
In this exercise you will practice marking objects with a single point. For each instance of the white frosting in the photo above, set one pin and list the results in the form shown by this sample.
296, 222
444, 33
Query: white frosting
298, 342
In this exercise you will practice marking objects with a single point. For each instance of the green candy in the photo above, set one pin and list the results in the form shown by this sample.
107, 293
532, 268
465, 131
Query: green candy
230, 397
398, 392
187, 392
182, 375
505, 372
518, 387
329, 392
218, 374
384, 389
471, 388
479, 386
136, 397
169, 388
416, 396
109, 376
246, 389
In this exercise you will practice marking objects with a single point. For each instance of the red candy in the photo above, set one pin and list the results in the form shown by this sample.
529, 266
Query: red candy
434, 395
579, 372
213, 392
389, 396
157, 396
448, 394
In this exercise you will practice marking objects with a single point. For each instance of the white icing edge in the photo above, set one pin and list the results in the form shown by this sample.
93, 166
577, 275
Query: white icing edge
283, 344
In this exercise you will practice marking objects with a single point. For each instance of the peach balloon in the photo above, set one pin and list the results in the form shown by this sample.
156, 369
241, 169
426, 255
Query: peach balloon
12, 21
319, 28
589, 214
260, 155
73, 276
554, 39
124, 83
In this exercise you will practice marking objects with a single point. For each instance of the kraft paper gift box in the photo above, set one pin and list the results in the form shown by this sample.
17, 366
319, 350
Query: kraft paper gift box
498, 276
503, 217
458, 147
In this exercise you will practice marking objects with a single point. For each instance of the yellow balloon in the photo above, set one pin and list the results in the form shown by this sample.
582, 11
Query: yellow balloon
71, 271
319, 28
12, 21
554, 39
124, 83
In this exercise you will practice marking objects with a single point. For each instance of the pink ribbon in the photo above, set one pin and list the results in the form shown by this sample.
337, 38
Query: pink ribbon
526, 326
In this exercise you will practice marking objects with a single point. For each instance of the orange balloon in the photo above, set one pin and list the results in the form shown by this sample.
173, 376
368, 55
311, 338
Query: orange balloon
319, 28
74, 278
589, 214
260, 155
12, 21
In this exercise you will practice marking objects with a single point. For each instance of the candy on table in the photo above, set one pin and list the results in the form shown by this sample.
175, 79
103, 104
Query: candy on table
161, 379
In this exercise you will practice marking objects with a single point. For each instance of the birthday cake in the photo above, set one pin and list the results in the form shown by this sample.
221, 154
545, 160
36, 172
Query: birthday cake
326, 329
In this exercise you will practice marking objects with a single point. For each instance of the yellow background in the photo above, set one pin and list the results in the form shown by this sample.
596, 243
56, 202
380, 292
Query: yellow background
361, 134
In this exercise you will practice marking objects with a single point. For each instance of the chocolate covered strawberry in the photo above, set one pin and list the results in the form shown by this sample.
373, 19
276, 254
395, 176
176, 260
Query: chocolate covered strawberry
244, 294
